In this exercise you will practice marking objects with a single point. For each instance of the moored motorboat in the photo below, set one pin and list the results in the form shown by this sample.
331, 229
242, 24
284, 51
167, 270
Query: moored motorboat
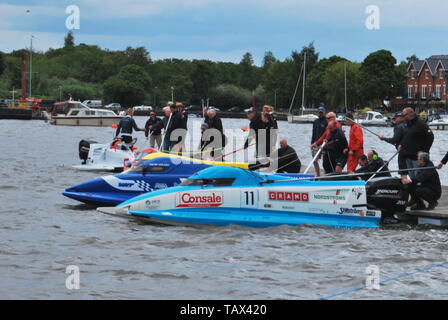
308, 118
221, 196
75, 113
373, 118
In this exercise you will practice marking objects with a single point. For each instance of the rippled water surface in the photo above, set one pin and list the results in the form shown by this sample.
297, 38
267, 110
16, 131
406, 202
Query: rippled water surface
42, 232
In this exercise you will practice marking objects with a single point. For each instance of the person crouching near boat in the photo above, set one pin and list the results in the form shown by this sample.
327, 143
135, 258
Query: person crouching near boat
425, 185
287, 159
334, 159
355, 145
371, 164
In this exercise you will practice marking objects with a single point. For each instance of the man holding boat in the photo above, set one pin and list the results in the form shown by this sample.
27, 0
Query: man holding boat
319, 126
334, 158
417, 137
399, 130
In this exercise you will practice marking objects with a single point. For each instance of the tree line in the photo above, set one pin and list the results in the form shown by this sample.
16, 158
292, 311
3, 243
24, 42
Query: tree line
131, 77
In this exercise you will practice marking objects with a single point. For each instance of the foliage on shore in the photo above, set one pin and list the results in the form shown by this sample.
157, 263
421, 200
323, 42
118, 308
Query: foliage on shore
131, 77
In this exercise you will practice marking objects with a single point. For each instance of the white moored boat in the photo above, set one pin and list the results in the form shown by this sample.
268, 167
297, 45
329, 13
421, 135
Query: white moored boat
75, 113
373, 118
307, 118
438, 121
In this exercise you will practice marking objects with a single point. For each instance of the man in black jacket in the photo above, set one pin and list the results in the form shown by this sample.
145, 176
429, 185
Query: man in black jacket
173, 136
319, 126
399, 130
425, 185
372, 163
334, 158
213, 121
418, 137
288, 161
153, 130
255, 126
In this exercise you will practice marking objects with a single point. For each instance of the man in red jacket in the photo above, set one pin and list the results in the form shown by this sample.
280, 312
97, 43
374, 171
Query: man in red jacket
331, 116
355, 145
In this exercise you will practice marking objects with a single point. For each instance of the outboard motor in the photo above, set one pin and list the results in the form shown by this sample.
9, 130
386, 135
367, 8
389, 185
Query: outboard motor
84, 147
387, 194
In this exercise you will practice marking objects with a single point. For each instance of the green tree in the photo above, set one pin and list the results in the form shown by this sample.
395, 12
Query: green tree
2, 63
202, 81
138, 56
316, 91
334, 85
412, 58
247, 72
268, 59
280, 80
69, 40
378, 76
228, 95
129, 86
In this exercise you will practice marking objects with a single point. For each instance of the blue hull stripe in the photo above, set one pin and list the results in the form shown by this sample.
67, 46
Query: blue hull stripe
256, 218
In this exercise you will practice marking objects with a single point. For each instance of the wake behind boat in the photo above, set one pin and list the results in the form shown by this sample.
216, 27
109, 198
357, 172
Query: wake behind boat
222, 196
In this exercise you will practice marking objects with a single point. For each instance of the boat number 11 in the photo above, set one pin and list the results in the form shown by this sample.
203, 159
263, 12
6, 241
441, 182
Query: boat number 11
249, 198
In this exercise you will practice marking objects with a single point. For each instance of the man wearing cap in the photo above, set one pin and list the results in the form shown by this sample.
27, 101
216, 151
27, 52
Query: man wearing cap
319, 126
153, 128
399, 128
356, 143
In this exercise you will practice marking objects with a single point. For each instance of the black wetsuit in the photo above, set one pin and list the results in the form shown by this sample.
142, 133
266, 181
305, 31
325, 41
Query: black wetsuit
374, 166
334, 151
426, 185
288, 161
126, 125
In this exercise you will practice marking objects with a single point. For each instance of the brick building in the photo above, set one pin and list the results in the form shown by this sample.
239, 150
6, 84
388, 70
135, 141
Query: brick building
427, 80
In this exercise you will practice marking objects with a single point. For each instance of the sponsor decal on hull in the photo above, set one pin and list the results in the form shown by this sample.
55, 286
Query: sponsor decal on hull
288, 196
127, 185
199, 199
355, 211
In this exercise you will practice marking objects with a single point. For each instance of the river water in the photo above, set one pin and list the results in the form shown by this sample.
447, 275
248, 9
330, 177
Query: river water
42, 232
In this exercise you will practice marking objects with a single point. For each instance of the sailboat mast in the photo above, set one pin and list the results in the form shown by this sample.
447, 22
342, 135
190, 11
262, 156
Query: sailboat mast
345, 86
303, 87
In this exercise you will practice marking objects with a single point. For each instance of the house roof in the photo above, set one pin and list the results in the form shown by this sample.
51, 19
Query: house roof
432, 62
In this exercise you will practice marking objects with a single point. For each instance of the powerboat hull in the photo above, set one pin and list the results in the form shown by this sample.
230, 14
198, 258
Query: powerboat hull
231, 196
253, 218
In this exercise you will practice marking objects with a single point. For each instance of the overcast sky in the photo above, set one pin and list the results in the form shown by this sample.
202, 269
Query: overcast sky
223, 30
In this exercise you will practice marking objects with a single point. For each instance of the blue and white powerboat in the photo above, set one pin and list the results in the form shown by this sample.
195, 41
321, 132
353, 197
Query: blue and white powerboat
155, 171
220, 196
